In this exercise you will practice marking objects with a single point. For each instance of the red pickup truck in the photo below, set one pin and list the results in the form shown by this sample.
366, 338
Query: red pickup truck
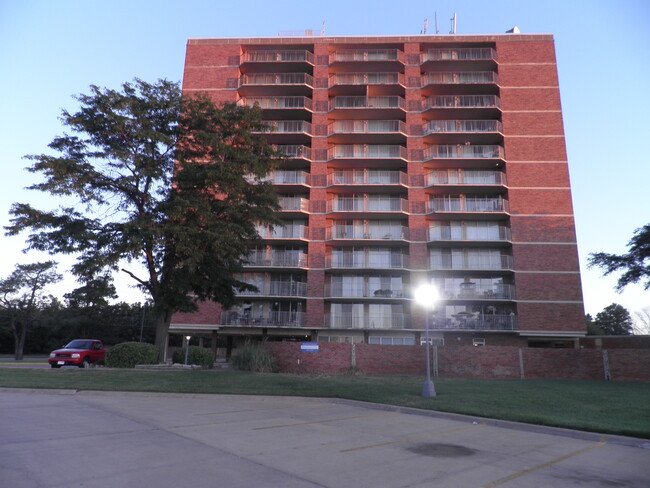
80, 352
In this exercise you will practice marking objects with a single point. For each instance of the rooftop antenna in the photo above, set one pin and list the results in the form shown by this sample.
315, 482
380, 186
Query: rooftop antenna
322, 29
453, 24
426, 26
436, 14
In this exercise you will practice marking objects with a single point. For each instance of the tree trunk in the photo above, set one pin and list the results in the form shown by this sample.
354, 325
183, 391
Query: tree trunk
20, 333
162, 321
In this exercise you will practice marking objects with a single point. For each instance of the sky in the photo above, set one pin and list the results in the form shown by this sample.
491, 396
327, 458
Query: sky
53, 49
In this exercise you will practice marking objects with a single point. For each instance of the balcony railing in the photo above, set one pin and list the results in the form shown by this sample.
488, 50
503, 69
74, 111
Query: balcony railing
276, 259
460, 54
277, 288
276, 79
367, 127
366, 151
370, 321
294, 204
277, 102
343, 204
371, 232
479, 322
460, 151
272, 319
288, 177
278, 56
474, 291
367, 102
366, 79
466, 177
469, 262
464, 233
468, 204
460, 78
462, 101
393, 261
351, 55
371, 177
289, 126
289, 232
337, 290
461, 126
294, 151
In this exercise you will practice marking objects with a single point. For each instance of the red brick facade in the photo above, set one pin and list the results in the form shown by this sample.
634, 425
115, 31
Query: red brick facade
404, 153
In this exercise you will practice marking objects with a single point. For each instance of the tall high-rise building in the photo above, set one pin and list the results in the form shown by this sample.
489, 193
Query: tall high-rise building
410, 159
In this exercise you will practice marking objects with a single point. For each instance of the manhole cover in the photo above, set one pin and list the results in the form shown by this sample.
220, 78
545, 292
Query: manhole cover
441, 450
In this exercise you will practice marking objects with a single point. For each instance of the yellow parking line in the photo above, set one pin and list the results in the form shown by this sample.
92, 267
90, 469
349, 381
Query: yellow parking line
324, 421
411, 439
544, 465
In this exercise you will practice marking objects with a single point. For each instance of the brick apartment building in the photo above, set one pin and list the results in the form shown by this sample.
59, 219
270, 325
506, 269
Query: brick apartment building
409, 159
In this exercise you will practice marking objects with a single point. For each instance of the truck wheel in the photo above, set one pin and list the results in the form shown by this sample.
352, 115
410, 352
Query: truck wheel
85, 363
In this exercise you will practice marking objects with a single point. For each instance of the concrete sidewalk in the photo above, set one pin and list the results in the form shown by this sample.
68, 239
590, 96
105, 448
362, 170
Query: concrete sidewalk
95, 439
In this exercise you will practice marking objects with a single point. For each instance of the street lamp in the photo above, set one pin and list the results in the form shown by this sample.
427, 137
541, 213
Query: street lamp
187, 348
427, 296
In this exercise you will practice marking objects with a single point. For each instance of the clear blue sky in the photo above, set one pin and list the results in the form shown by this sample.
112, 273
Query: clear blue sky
50, 50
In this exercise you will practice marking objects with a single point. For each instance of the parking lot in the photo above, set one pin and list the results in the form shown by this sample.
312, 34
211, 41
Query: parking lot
95, 439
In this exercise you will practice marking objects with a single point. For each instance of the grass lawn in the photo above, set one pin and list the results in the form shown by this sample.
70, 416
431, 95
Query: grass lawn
621, 408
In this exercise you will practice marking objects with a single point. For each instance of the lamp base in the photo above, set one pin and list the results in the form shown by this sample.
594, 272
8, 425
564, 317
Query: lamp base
428, 390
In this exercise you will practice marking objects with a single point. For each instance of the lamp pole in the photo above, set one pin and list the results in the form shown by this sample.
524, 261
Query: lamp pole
427, 295
187, 348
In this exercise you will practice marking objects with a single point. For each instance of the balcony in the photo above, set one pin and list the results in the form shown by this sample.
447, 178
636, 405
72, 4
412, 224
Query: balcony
277, 289
291, 232
275, 84
294, 151
458, 131
276, 259
367, 177
462, 178
470, 262
358, 59
350, 232
338, 290
461, 82
356, 107
460, 54
278, 56
463, 204
384, 83
465, 106
371, 261
278, 106
468, 233
466, 321
289, 178
288, 131
464, 151
366, 321
270, 319
350, 131
360, 204
366, 151
475, 291
294, 204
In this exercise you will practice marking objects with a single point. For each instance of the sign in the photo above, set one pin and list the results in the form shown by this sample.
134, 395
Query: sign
309, 347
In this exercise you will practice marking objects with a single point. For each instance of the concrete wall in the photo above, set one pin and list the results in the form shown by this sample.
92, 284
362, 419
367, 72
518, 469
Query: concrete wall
488, 362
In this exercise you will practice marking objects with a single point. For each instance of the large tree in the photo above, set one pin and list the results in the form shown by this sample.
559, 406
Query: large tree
635, 264
614, 320
172, 183
22, 296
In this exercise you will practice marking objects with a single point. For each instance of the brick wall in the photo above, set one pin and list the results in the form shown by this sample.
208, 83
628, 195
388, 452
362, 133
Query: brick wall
488, 362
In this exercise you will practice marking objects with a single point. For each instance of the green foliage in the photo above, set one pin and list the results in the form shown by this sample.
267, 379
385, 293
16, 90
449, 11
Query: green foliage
635, 263
614, 320
253, 357
197, 355
122, 151
130, 354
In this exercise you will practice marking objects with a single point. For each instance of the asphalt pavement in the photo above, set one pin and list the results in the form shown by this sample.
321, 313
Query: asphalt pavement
116, 439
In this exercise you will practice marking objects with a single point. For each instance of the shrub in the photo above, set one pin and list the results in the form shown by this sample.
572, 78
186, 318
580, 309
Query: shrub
129, 354
253, 357
197, 355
